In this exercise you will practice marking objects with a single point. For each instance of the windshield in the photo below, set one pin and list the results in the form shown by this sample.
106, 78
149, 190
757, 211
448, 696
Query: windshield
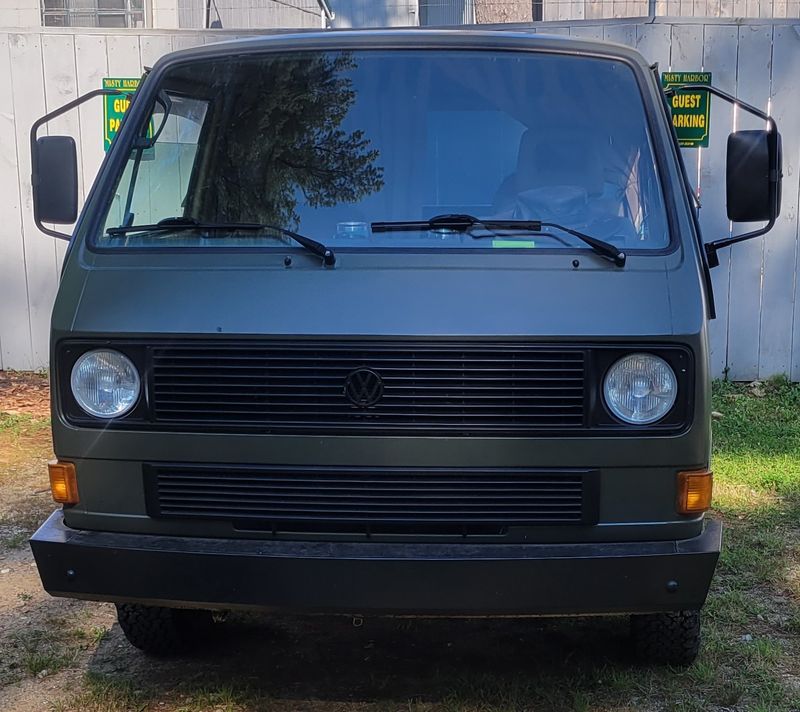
327, 143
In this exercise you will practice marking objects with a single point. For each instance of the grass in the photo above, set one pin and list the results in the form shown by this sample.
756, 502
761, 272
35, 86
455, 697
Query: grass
102, 695
40, 651
750, 658
757, 487
24, 513
14, 540
22, 424
752, 615
24, 447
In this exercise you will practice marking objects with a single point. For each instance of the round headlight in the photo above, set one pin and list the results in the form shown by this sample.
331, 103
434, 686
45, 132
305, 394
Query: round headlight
105, 383
640, 389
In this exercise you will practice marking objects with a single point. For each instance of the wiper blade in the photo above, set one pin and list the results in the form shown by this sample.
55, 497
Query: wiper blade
467, 223
458, 223
179, 223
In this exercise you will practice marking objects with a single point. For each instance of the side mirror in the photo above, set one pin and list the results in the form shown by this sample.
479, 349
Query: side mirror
754, 176
54, 171
754, 173
55, 180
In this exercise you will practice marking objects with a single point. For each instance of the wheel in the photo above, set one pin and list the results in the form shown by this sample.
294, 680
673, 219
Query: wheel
666, 638
161, 631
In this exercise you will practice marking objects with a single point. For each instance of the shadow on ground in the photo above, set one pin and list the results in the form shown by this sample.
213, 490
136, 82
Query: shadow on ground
381, 660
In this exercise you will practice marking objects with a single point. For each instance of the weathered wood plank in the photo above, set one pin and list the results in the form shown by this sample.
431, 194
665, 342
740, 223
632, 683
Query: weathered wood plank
739, 8
15, 332
186, 40
622, 34
123, 56
687, 47
725, 8
556, 31
673, 8
153, 47
719, 58
60, 87
593, 9
753, 8
653, 41
702, 8
213, 36
744, 325
587, 32
779, 337
27, 86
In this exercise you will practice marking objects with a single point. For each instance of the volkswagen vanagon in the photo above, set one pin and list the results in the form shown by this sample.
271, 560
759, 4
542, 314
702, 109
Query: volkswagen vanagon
389, 323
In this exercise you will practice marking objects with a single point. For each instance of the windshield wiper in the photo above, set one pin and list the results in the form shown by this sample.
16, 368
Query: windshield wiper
467, 223
178, 223
457, 223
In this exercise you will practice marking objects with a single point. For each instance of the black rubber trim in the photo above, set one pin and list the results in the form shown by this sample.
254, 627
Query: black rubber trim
421, 579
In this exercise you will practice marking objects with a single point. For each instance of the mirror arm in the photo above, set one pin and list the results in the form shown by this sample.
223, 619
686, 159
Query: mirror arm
712, 247
33, 137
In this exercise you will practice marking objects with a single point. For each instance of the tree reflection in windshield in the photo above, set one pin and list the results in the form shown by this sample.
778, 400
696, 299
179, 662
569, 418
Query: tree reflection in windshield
282, 141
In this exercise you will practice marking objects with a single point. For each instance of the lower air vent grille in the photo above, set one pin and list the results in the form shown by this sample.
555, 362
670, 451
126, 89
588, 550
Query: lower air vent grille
378, 500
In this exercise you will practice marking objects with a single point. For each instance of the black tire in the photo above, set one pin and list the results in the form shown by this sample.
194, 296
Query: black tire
162, 631
666, 638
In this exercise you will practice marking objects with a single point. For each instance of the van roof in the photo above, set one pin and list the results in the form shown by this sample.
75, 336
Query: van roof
497, 38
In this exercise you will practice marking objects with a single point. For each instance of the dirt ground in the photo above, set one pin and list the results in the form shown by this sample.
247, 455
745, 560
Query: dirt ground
24, 393
70, 656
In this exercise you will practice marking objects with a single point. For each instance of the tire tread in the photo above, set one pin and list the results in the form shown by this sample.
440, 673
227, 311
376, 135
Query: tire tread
156, 630
667, 638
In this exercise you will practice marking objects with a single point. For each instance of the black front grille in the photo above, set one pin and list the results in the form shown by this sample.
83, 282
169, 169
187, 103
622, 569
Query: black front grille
381, 500
452, 388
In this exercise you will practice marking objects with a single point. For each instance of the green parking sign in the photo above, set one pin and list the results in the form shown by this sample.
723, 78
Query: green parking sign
115, 105
691, 110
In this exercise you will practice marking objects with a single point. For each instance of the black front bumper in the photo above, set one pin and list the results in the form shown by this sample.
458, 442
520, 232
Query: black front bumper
374, 578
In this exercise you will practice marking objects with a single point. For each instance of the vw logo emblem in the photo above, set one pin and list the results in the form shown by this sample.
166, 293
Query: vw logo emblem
363, 387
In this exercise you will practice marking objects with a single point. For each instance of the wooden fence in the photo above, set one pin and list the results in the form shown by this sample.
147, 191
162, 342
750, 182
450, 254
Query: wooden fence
757, 332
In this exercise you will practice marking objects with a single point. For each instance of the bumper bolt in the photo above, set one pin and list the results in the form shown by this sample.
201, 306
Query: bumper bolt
71, 574
672, 586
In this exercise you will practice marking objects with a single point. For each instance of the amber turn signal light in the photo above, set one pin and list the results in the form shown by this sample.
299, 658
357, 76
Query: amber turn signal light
63, 483
694, 491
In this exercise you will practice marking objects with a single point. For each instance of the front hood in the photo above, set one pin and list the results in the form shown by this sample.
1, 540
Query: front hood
355, 298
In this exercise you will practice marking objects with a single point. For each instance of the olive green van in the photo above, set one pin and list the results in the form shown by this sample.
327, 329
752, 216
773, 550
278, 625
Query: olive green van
389, 323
